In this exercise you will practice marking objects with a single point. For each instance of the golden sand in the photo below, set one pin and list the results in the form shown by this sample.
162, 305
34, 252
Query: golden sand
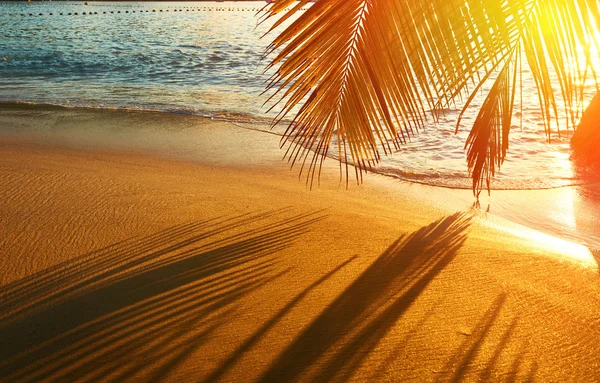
147, 247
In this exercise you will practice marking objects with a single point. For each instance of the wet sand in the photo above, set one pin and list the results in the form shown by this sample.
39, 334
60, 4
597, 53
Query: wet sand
148, 247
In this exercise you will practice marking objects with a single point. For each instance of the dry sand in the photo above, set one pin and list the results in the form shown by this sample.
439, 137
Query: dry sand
147, 247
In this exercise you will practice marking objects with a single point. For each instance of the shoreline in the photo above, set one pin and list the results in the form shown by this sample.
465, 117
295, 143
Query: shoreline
220, 115
49, 126
249, 121
528, 207
145, 247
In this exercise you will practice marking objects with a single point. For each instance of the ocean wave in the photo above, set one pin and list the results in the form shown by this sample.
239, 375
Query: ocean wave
220, 115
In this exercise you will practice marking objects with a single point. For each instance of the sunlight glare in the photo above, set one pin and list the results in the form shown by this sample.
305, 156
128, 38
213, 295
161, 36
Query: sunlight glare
557, 247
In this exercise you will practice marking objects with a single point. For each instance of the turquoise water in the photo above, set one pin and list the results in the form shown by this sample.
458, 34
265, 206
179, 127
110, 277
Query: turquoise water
205, 58
189, 57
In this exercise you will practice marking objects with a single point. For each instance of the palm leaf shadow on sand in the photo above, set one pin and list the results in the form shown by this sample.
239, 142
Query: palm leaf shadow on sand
470, 360
253, 340
342, 336
460, 362
140, 306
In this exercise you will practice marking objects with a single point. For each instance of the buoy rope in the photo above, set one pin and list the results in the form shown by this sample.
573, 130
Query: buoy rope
159, 10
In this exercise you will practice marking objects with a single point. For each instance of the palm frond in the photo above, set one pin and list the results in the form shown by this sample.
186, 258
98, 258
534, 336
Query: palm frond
367, 73
488, 140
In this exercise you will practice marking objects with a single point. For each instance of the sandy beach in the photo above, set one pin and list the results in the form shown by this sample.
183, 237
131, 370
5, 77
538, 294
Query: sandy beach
142, 246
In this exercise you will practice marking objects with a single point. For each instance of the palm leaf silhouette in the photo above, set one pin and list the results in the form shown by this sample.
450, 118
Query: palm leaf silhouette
368, 74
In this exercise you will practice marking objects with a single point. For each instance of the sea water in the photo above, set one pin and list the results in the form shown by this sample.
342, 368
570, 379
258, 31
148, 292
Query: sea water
205, 58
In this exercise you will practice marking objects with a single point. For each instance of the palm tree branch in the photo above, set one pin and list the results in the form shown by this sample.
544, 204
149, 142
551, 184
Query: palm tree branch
362, 71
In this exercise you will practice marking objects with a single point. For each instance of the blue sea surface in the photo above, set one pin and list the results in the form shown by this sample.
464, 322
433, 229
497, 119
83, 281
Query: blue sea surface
198, 57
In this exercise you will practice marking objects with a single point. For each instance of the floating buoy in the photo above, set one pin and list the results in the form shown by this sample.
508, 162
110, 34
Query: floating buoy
187, 9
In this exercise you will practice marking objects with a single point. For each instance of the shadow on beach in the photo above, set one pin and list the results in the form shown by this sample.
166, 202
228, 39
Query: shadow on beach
347, 331
140, 306
524, 366
137, 310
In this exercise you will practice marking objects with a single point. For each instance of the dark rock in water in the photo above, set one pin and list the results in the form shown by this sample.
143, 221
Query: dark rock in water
586, 140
